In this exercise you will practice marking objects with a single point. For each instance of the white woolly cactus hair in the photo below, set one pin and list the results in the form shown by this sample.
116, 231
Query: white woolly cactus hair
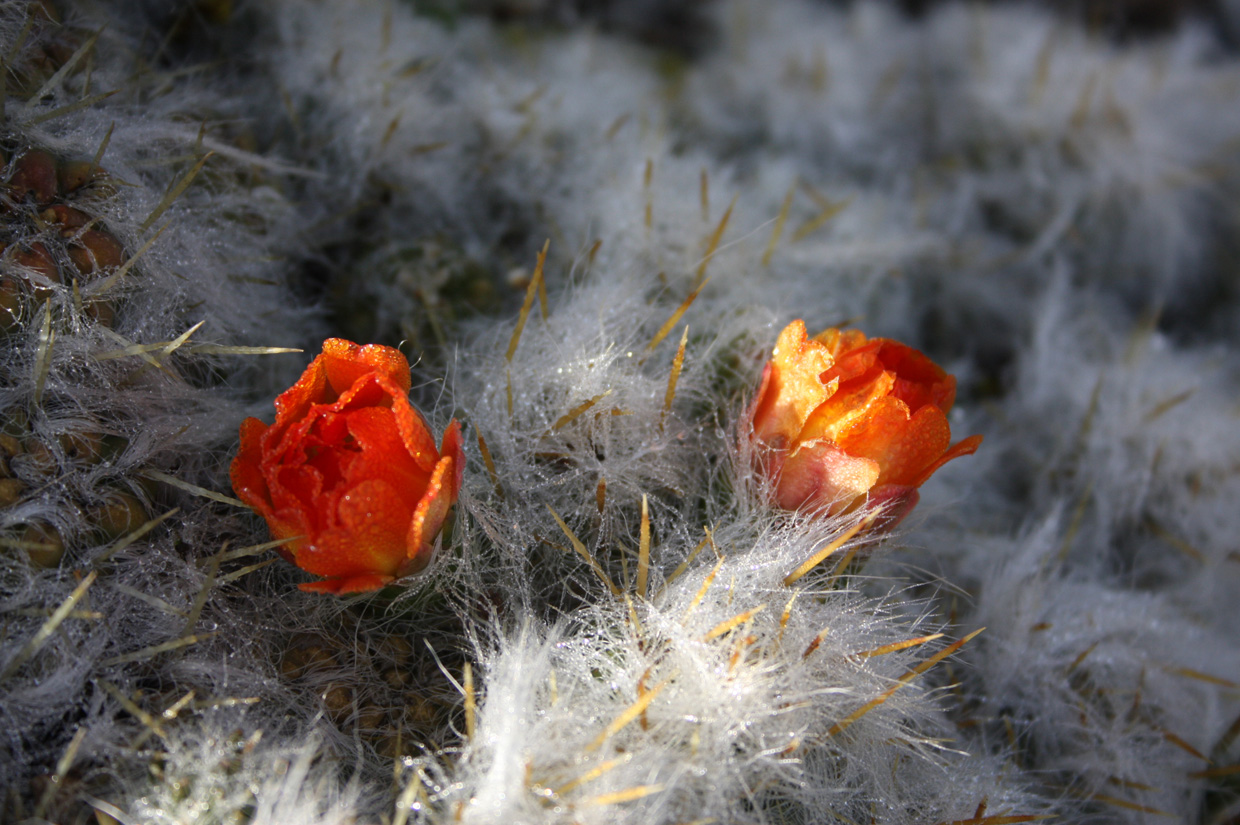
712, 694
590, 243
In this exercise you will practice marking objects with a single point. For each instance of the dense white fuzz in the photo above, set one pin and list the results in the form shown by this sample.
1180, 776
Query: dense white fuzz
724, 689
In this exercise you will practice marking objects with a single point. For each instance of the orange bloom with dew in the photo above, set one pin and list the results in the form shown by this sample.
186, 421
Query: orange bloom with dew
349, 471
840, 419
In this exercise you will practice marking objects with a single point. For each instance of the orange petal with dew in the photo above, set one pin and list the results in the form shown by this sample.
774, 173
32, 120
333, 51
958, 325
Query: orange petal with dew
902, 445
417, 438
792, 389
966, 446
838, 341
843, 410
367, 536
859, 364
293, 403
429, 515
344, 362
822, 475
761, 401
382, 453
919, 381
246, 473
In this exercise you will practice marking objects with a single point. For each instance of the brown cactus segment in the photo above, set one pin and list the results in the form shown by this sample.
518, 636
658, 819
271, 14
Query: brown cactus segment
12, 304
120, 515
85, 447
49, 46
36, 259
40, 459
34, 178
11, 490
9, 447
94, 251
75, 174
44, 457
101, 312
66, 241
43, 545
69, 220
53, 238
388, 713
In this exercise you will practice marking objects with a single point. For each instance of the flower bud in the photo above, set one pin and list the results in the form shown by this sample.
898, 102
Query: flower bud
349, 471
840, 420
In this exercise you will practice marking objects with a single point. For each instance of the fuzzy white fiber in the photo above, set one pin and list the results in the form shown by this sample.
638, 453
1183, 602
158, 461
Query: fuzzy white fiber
609, 631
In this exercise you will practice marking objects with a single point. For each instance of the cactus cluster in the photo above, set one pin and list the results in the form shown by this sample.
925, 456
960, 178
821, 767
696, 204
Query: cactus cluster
53, 251
585, 225
104, 390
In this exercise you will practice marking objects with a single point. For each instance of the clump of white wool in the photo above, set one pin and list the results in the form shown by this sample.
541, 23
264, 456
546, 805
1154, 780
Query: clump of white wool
735, 687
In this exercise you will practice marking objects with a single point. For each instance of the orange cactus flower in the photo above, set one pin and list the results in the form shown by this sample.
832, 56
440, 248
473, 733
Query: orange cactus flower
839, 419
349, 470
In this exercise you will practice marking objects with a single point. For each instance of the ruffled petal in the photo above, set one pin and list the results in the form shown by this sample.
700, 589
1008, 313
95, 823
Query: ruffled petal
429, 516
760, 401
344, 362
860, 364
246, 472
368, 534
903, 445
840, 340
966, 446
792, 388
417, 438
311, 388
296, 487
821, 475
284, 447
919, 381
849, 404
382, 455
